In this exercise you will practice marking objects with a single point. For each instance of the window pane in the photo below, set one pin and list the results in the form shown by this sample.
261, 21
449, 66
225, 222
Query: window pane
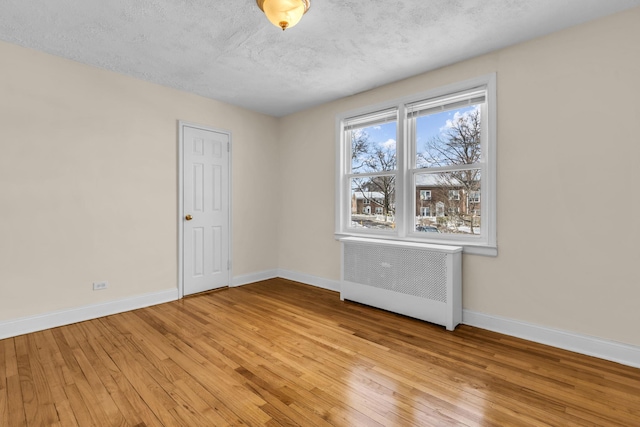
454, 205
373, 148
373, 202
448, 138
425, 194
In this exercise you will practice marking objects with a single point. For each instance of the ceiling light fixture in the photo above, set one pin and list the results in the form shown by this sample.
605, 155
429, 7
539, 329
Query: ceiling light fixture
284, 13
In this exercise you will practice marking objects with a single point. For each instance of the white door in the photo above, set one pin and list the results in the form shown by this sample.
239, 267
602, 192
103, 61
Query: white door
205, 219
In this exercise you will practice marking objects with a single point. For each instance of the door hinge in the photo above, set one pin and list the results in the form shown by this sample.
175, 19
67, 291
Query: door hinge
228, 147
228, 264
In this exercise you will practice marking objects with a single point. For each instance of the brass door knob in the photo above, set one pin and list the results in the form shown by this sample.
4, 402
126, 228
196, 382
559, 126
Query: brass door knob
188, 217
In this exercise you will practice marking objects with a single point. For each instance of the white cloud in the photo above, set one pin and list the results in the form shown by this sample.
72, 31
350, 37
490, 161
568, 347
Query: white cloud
457, 116
389, 144
377, 127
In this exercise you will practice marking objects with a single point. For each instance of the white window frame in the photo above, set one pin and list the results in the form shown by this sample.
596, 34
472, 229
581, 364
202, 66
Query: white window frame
405, 197
454, 195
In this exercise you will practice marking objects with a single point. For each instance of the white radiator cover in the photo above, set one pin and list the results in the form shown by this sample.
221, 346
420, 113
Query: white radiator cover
413, 279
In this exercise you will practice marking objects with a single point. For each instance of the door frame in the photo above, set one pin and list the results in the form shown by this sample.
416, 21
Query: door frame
181, 125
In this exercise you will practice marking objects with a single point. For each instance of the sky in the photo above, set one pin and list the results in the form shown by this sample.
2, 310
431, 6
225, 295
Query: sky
427, 127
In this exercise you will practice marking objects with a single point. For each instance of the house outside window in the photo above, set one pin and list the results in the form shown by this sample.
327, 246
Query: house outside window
437, 151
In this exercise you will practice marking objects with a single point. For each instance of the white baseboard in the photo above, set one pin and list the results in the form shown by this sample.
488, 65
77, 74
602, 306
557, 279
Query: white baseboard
604, 349
591, 346
319, 282
253, 277
25, 325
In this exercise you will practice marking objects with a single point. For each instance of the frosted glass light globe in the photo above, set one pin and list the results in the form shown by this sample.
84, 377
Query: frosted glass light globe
284, 13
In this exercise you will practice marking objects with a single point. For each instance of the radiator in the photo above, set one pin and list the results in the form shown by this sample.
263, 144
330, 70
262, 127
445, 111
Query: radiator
413, 279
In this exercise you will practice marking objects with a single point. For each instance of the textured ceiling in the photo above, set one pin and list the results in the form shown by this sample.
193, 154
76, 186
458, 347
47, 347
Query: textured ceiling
227, 50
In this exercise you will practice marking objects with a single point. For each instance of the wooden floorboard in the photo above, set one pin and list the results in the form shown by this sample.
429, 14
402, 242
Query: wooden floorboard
279, 353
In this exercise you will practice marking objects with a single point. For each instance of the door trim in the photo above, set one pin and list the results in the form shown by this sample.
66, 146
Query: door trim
181, 125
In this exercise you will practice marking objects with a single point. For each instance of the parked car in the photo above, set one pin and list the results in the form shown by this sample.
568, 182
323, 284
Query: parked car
427, 228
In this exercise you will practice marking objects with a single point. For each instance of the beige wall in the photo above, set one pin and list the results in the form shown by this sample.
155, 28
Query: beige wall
568, 137
88, 183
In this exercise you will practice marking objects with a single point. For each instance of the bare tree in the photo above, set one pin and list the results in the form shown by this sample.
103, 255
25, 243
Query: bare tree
368, 156
360, 147
459, 144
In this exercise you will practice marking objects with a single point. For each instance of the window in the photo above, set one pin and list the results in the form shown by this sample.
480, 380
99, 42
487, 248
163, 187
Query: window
428, 154
372, 166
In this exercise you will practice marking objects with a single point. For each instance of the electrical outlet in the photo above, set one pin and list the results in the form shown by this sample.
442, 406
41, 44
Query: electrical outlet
97, 286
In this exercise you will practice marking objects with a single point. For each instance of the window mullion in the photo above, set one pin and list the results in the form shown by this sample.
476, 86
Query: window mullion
408, 145
399, 186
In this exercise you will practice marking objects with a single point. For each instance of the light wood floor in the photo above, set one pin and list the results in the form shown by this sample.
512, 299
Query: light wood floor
278, 353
